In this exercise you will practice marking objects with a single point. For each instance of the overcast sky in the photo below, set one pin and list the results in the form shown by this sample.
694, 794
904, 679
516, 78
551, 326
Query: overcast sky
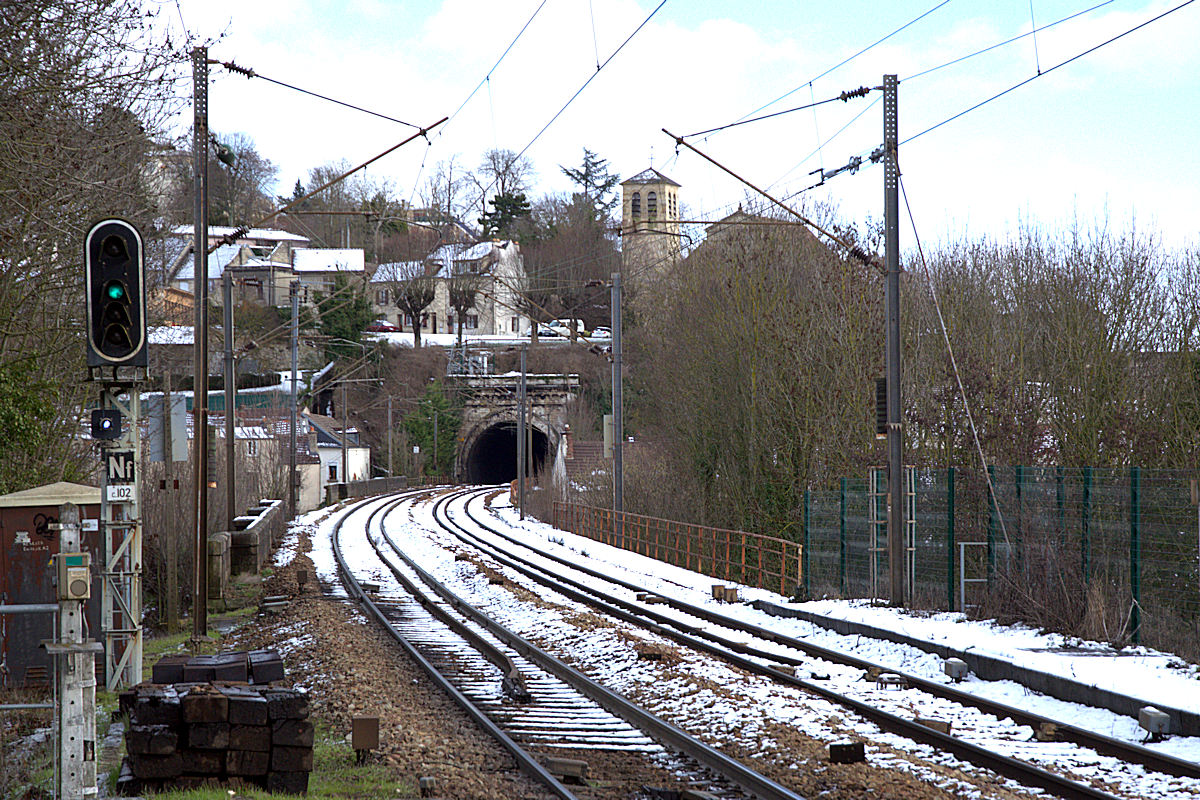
1112, 134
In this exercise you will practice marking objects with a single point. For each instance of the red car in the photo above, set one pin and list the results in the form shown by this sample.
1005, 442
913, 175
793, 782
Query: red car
381, 326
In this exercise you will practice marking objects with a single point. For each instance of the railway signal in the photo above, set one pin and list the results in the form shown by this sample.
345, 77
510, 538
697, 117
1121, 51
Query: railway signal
114, 279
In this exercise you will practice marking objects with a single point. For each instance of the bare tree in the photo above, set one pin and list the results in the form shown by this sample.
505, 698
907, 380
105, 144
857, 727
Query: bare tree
414, 292
85, 94
463, 289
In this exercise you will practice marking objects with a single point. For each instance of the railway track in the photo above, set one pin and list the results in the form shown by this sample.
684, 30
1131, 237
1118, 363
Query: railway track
520, 695
763, 651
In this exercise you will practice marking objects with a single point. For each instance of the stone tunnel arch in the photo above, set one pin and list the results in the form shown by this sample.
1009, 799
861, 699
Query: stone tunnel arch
491, 454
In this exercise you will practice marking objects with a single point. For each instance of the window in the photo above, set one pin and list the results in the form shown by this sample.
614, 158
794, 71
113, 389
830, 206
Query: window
251, 447
472, 322
651, 203
514, 323
381, 297
333, 473
636, 203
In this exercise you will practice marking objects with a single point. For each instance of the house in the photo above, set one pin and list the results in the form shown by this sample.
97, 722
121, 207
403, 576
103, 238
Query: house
326, 440
500, 273
317, 268
262, 244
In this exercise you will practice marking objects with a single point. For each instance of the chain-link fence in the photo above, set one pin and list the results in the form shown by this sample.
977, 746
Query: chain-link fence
1107, 554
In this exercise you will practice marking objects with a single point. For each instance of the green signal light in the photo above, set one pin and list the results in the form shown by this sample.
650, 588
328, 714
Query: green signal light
115, 291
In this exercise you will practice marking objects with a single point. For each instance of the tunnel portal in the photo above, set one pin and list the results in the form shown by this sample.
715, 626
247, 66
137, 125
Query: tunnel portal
492, 457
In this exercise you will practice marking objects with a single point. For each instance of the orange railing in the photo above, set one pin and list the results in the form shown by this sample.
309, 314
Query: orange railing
766, 562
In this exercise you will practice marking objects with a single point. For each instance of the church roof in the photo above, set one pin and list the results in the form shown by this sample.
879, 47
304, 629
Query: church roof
650, 175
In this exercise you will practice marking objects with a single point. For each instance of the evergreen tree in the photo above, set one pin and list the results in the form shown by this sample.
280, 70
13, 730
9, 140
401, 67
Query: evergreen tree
595, 183
507, 211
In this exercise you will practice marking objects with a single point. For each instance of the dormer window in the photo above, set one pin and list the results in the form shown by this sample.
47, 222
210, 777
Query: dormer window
651, 203
635, 204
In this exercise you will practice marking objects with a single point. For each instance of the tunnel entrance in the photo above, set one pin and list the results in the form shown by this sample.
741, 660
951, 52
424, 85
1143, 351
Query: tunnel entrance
493, 456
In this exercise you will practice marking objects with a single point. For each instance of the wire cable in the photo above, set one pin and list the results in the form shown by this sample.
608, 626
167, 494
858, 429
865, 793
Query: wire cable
962, 392
249, 73
578, 92
861, 91
1016, 38
1032, 78
846, 61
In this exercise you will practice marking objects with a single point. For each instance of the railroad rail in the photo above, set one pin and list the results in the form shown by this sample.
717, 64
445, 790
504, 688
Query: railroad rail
744, 656
518, 678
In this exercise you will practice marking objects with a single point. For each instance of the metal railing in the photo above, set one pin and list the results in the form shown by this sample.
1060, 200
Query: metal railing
751, 559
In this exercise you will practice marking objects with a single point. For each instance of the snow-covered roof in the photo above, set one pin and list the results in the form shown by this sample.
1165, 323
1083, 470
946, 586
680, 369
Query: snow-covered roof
245, 432
268, 234
171, 334
326, 259
650, 175
217, 260
397, 271
447, 255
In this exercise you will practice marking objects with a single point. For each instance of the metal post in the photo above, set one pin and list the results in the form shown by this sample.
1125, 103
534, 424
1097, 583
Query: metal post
1085, 514
295, 297
435, 440
521, 388
230, 402
804, 558
993, 520
950, 538
200, 366
1135, 553
75, 682
121, 528
842, 534
895, 433
389, 435
618, 415
345, 435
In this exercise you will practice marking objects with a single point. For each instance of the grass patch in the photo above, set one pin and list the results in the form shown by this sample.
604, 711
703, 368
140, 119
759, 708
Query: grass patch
335, 776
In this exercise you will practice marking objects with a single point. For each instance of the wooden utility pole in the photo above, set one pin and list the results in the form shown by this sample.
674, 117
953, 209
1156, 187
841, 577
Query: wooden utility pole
897, 527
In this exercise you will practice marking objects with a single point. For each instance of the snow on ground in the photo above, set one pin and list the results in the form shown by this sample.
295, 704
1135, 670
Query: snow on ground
1138, 672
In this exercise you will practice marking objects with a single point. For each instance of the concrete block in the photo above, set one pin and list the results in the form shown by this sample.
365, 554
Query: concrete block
718, 592
151, 740
427, 785
200, 669
204, 704
156, 767
169, 669
291, 759
286, 704
955, 668
1156, 723
156, 708
231, 667
208, 735
256, 738
203, 762
246, 706
890, 680
247, 762
287, 782
939, 725
571, 770
292, 733
847, 752
731, 595
265, 666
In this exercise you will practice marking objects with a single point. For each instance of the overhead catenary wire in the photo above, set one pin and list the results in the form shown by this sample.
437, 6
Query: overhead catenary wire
853, 250
579, 91
845, 96
962, 392
1008, 41
846, 61
250, 73
1045, 72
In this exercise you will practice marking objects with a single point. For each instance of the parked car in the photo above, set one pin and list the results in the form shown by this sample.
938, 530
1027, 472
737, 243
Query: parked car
601, 333
381, 326
564, 326
545, 329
